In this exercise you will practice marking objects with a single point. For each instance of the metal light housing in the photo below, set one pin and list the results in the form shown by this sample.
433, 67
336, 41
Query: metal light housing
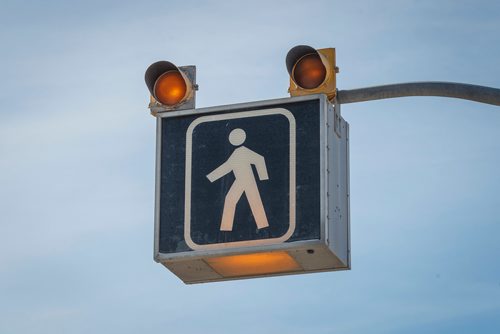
171, 87
312, 71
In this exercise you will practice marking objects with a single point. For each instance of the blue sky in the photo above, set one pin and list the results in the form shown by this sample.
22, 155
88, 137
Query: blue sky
77, 165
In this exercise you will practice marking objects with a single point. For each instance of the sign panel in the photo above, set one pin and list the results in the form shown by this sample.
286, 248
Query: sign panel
240, 179
258, 210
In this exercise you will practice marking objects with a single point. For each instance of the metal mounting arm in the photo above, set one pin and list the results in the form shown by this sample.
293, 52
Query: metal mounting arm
476, 93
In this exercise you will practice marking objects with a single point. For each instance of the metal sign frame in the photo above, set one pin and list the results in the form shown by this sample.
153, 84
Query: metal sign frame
329, 116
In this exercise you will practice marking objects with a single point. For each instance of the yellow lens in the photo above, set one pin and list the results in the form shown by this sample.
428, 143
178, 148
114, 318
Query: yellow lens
170, 88
309, 72
254, 264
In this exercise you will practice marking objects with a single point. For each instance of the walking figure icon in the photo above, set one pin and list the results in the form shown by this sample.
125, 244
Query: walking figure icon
240, 163
239, 185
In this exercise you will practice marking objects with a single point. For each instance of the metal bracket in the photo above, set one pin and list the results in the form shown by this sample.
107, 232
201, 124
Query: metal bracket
337, 119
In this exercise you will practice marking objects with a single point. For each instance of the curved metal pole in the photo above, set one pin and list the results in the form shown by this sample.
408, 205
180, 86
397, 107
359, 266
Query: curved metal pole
476, 93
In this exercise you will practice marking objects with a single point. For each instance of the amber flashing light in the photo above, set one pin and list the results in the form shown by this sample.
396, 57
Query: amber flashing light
253, 264
170, 88
309, 72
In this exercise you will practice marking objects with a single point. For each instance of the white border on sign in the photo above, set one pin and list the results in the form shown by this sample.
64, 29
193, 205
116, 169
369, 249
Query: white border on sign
292, 163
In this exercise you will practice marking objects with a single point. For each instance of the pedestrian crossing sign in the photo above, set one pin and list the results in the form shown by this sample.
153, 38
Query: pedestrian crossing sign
251, 179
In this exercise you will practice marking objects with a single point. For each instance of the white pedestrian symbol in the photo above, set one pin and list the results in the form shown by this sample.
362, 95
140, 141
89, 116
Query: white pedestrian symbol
240, 163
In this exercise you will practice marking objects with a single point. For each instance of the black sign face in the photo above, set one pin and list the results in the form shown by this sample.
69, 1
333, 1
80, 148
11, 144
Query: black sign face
243, 177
